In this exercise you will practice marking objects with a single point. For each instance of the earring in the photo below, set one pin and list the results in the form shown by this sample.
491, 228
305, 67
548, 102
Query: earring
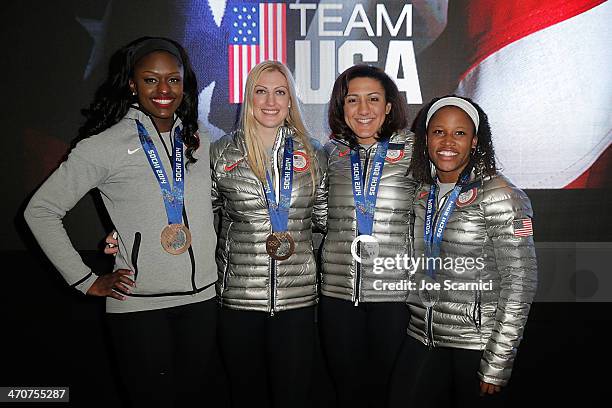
432, 169
134, 93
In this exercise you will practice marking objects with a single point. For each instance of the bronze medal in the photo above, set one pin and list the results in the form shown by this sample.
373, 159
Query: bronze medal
175, 239
280, 245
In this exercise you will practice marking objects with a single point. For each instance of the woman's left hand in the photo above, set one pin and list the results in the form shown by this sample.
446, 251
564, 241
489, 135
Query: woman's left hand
486, 388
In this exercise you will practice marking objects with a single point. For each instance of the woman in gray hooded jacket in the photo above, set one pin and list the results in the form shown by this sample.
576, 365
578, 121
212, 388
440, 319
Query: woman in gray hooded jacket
476, 273
142, 150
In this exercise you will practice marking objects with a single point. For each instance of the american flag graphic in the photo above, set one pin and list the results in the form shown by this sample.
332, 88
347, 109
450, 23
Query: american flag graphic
258, 33
522, 227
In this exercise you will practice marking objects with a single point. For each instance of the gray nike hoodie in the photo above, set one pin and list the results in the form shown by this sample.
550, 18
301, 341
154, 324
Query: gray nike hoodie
115, 163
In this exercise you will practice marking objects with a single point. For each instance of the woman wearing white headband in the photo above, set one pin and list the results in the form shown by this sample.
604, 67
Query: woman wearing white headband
472, 290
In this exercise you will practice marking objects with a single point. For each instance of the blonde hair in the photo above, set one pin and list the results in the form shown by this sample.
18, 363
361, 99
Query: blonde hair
257, 155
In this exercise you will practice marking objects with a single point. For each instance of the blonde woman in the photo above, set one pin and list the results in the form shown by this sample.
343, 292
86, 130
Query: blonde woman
264, 181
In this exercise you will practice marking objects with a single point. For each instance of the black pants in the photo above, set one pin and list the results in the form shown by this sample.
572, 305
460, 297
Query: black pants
268, 358
361, 344
438, 377
165, 356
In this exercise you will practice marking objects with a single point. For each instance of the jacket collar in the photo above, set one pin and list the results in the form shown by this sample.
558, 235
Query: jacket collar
475, 181
342, 142
136, 113
240, 140
400, 137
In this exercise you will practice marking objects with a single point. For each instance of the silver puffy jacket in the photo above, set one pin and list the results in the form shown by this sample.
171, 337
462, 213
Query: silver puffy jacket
491, 318
248, 278
342, 276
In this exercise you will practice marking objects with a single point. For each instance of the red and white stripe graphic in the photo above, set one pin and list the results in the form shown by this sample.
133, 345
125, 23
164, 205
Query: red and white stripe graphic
272, 32
242, 58
272, 45
541, 71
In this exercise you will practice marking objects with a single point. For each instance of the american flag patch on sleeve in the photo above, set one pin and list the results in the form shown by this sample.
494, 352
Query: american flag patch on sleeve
522, 227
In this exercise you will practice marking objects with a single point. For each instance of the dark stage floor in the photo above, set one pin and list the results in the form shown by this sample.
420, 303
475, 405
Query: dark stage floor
53, 336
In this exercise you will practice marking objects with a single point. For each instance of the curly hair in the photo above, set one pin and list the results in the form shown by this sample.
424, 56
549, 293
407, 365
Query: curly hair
482, 159
113, 98
394, 121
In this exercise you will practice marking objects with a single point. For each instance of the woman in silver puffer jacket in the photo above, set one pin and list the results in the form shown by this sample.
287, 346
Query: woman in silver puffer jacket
363, 315
264, 179
474, 239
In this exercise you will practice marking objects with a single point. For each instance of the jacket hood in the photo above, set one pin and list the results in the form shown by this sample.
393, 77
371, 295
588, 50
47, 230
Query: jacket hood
137, 113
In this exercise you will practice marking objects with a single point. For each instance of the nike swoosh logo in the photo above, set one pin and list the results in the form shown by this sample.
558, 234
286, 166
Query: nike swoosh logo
344, 153
230, 167
133, 151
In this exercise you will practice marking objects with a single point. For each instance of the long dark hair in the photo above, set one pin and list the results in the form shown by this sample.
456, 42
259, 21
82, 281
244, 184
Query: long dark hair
394, 121
482, 159
113, 98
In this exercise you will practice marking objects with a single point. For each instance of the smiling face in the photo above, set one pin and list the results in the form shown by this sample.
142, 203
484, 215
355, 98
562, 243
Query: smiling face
271, 102
365, 108
158, 82
450, 139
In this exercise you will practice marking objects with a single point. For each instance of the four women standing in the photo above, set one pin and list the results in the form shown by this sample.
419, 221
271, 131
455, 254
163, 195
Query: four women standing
271, 183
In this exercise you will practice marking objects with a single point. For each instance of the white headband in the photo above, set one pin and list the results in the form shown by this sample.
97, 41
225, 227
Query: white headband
454, 101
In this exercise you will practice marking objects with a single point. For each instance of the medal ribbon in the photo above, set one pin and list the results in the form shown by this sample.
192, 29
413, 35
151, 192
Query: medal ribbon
434, 233
172, 195
365, 201
279, 211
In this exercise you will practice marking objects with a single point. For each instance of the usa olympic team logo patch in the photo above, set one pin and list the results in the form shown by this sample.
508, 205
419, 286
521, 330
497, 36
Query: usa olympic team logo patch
467, 197
394, 155
300, 161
